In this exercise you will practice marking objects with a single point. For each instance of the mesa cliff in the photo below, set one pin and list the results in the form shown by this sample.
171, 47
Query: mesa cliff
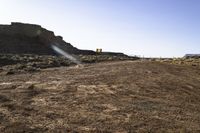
20, 38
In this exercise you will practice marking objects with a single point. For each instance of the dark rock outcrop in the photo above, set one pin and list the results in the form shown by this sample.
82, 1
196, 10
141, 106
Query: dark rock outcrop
187, 56
20, 38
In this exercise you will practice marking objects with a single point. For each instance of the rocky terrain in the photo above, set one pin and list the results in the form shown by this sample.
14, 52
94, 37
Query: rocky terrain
29, 48
179, 61
120, 97
42, 91
18, 63
21, 38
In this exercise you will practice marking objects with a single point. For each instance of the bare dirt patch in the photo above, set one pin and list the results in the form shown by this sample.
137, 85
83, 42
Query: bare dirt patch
123, 96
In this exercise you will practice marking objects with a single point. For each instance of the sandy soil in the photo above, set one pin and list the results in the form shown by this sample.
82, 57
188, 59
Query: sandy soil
120, 97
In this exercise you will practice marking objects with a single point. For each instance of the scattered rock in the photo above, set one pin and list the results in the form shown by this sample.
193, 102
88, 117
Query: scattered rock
17, 63
10, 72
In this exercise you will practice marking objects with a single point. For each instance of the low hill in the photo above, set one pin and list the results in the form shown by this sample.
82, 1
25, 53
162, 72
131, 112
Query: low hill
20, 38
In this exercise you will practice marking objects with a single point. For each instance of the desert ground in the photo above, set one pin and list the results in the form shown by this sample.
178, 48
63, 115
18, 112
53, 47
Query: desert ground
118, 96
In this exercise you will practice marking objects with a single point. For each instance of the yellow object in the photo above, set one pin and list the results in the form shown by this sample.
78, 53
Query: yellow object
98, 50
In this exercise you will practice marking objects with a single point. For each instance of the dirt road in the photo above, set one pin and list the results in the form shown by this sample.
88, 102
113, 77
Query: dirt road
123, 96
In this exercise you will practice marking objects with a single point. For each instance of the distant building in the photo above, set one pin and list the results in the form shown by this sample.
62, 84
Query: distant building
192, 56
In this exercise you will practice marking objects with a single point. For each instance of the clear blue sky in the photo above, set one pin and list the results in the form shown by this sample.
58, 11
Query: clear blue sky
153, 28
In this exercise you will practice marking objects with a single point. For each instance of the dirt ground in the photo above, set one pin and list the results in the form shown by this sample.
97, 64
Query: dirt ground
119, 97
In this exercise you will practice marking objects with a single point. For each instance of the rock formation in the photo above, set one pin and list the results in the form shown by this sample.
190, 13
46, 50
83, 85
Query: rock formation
192, 56
20, 38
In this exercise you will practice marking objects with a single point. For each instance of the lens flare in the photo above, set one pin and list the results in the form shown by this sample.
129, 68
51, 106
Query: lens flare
65, 54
